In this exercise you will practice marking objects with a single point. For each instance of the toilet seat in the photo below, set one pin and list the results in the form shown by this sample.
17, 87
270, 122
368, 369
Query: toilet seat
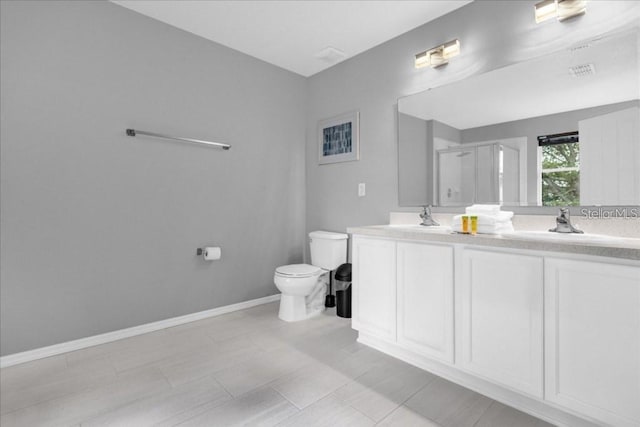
298, 271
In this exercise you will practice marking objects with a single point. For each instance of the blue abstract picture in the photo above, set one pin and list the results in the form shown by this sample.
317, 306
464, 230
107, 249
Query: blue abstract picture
337, 140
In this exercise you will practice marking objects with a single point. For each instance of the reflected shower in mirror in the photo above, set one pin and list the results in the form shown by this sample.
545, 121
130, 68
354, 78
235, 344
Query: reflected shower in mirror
562, 129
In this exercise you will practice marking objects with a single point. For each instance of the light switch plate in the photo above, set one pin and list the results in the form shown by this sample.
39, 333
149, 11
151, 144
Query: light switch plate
361, 190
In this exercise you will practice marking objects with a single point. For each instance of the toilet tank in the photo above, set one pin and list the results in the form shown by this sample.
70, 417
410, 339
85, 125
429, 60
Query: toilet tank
328, 250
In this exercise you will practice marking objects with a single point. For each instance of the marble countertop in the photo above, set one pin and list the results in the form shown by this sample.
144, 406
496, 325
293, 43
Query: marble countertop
597, 245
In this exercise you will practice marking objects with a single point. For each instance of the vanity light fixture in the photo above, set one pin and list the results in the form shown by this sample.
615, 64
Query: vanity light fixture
546, 9
438, 56
560, 9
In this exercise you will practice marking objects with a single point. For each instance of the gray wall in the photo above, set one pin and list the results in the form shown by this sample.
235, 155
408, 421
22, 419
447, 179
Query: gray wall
492, 34
99, 230
444, 131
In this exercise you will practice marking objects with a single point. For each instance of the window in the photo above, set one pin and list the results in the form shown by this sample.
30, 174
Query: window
560, 177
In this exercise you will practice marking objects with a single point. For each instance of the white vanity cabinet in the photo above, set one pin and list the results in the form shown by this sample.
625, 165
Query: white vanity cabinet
499, 304
554, 334
592, 339
374, 287
425, 299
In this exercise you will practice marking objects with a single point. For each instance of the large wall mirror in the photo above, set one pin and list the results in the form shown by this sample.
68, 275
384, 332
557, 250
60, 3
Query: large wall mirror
559, 130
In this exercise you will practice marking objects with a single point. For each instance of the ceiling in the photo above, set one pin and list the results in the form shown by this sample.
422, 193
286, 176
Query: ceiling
305, 37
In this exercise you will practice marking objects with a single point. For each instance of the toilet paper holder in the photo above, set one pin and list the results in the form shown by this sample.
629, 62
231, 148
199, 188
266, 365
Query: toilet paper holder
199, 251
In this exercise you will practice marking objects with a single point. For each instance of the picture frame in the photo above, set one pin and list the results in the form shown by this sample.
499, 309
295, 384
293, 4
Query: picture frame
339, 138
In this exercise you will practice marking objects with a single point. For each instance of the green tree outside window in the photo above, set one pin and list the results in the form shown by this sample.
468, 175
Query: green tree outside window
561, 174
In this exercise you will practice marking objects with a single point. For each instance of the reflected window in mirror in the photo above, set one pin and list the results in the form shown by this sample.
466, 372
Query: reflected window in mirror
560, 169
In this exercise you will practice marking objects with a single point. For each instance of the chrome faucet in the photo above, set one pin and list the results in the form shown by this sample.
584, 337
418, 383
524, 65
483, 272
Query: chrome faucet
427, 220
563, 223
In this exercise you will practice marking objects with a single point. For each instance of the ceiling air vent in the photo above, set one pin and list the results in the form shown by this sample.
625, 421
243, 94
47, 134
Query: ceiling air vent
583, 70
331, 55
579, 47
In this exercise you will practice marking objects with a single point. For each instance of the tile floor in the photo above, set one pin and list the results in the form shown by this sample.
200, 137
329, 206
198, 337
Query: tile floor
242, 368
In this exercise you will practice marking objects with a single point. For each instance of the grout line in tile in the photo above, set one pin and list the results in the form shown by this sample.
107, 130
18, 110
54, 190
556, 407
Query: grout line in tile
493, 402
419, 390
197, 411
285, 398
171, 386
360, 412
220, 384
387, 416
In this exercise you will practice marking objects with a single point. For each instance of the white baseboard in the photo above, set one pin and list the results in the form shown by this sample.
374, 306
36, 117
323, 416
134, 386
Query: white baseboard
65, 347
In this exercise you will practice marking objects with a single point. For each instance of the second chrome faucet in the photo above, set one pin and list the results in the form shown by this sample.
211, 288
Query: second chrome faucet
563, 223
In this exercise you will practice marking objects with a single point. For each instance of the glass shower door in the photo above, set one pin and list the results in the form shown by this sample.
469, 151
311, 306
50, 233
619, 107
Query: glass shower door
456, 176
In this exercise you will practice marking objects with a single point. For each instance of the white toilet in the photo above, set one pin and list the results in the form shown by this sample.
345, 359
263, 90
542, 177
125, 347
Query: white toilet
302, 285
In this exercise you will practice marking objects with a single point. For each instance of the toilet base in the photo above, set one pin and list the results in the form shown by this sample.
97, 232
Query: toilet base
293, 308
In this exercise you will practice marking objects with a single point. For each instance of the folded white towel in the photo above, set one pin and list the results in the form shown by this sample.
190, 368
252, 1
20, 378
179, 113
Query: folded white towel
486, 219
482, 209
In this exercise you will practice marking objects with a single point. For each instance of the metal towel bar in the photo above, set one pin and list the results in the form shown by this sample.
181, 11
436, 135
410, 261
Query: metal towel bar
134, 132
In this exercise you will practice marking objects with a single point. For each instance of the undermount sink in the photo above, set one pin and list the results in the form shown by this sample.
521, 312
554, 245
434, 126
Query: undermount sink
564, 237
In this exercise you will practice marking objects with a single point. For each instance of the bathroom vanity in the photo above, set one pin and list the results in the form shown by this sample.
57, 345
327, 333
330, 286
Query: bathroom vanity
545, 323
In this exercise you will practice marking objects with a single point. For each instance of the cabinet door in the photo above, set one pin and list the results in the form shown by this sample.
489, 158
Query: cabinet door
592, 339
374, 287
425, 299
499, 327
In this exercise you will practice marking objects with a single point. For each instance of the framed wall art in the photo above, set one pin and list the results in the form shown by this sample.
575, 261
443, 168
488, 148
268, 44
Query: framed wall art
338, 138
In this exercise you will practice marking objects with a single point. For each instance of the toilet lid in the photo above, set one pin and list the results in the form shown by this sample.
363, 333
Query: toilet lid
298, 270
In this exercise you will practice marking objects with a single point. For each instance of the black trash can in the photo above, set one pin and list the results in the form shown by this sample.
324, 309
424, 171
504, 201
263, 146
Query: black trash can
343, 290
